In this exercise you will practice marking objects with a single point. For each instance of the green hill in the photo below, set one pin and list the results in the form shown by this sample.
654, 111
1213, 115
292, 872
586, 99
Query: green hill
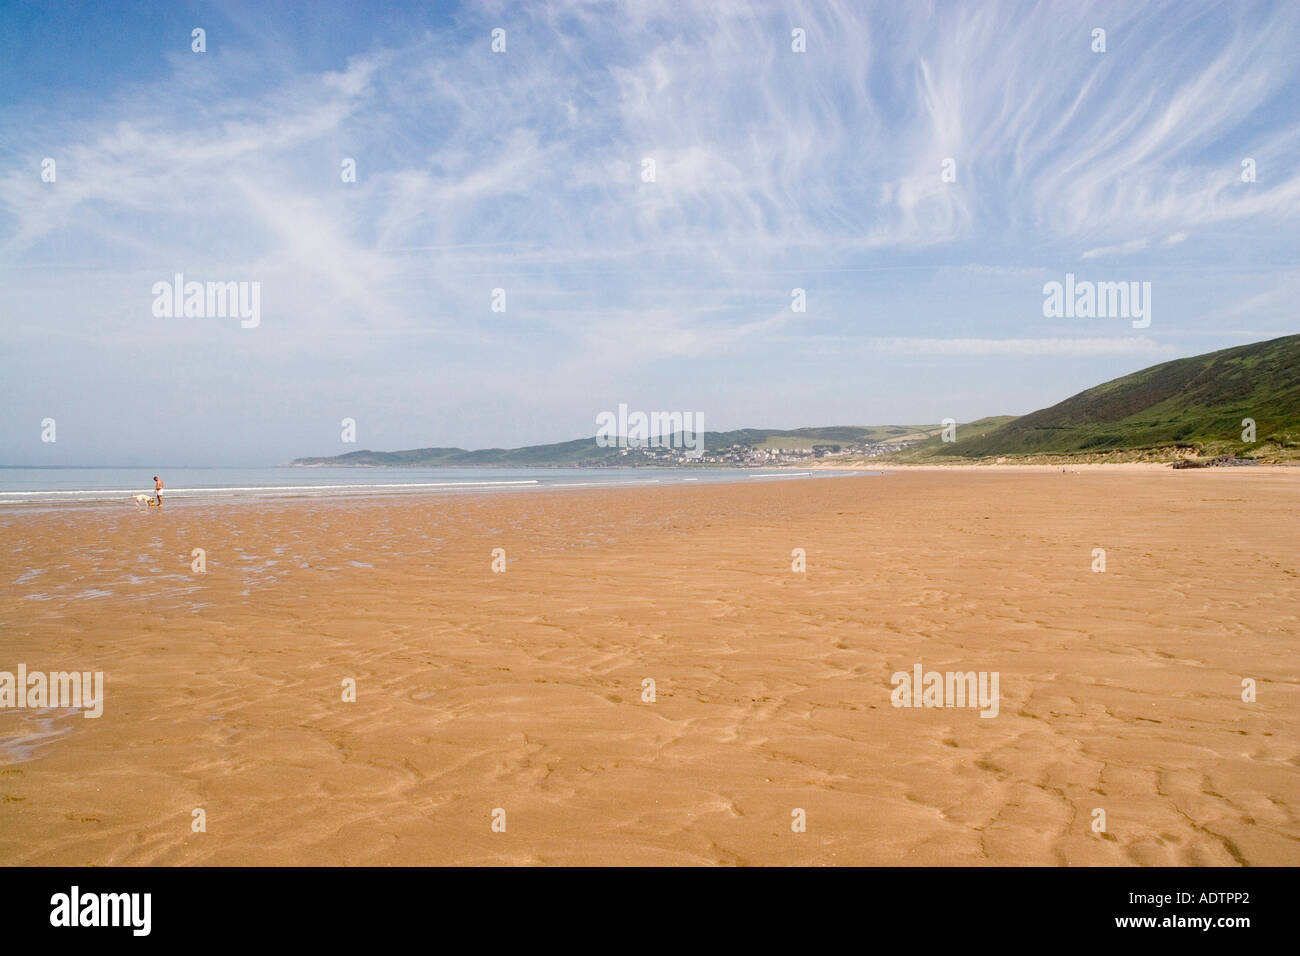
1196, 402
562, 453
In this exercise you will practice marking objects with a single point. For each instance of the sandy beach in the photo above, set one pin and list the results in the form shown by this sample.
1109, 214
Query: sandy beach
522, 691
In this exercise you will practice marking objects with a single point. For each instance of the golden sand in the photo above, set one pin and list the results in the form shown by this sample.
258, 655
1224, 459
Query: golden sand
1119, 691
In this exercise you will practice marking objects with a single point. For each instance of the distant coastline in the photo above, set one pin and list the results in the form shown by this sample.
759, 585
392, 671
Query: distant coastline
1236, 405
743, 448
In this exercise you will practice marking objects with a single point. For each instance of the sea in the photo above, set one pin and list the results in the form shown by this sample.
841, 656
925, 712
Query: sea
73, 486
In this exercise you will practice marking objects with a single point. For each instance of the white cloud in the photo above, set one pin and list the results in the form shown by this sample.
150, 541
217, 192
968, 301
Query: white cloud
1133, 245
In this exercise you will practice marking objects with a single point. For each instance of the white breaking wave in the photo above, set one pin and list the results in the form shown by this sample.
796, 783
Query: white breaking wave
214, 491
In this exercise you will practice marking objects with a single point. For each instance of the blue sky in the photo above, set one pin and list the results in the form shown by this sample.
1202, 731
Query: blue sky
522, 170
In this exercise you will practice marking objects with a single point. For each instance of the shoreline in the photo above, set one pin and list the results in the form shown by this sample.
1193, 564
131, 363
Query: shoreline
113, 500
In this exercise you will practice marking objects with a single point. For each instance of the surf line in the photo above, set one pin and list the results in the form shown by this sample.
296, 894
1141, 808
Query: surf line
200, 491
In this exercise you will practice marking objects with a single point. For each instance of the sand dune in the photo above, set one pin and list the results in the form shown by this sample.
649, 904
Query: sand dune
522, 690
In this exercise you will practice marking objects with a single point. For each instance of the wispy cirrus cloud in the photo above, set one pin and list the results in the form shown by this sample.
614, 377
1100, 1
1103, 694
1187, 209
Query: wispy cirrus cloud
773, 170
1133, 245
1119, 345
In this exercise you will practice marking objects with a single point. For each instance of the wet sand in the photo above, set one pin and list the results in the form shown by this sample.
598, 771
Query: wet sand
523, 690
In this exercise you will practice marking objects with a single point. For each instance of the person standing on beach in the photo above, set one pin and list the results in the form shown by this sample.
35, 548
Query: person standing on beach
157, 489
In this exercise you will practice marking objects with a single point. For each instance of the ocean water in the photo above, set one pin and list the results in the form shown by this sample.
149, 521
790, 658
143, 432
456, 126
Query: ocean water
54, 486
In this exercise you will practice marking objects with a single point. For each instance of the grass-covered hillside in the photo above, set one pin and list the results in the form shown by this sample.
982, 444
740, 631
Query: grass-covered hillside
1192, 403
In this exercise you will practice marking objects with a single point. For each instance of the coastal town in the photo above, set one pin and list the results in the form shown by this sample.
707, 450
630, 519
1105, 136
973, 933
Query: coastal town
743, 455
